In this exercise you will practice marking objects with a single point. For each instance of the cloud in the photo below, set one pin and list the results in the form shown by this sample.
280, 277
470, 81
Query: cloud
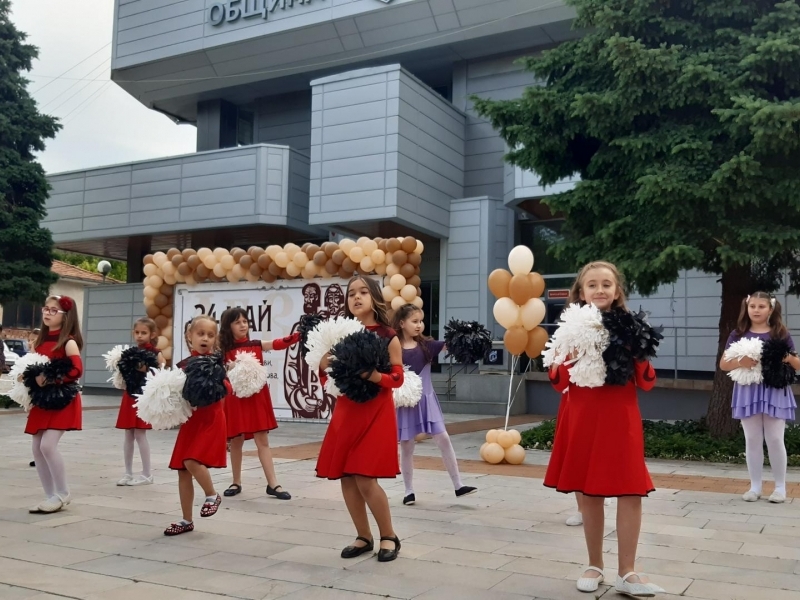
103, 125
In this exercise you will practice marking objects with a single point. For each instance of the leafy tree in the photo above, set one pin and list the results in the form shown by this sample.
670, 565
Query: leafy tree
25, 247
119, 270
682, 118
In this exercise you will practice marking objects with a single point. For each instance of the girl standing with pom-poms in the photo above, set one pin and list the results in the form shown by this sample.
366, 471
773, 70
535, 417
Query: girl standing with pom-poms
248, 409
133, 367
200, 444
59, 340
599, 445
426, 416
360, 444
762, 394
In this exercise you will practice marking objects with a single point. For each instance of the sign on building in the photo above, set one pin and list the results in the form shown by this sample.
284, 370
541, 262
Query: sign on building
233, 10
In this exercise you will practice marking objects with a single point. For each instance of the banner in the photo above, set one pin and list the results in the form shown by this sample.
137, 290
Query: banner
273, 311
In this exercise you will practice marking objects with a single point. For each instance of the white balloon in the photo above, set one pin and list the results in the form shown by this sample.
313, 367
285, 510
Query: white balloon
520, 260
506, 312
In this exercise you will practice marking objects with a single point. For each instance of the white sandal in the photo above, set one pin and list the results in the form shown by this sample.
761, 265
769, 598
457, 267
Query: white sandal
590, 584
636, 590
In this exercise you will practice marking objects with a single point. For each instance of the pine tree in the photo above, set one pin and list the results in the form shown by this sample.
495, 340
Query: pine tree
682, 118
25, 247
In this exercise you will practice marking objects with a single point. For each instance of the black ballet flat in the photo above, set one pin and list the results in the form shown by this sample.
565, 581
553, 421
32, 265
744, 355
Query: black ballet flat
233, 490
410, 499
353, 551
389, 555
280, 495
465, 490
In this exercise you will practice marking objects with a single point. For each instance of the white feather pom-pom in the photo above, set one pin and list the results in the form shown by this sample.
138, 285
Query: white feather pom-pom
746, 348
410, 393
247, 375
112, 364
580, 341
330, 385
325, 336
19, 393
161, 402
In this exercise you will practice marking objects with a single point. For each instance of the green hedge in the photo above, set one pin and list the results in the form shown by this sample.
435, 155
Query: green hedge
6, 402
682, 440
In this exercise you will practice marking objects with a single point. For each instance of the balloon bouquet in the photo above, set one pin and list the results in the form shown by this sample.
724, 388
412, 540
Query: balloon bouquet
520, 310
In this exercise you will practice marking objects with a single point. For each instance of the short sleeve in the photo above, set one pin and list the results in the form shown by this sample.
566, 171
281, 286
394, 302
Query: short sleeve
790, 341
733, 337
435, 347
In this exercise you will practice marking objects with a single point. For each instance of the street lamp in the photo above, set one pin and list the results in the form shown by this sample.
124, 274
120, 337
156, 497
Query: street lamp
104, 268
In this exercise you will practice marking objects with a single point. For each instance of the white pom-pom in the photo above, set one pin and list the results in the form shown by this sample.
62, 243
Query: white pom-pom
580, 341
161, 402
746, 348
330, 385
112, 364
325, 336
247, 375
410, 393
19, 393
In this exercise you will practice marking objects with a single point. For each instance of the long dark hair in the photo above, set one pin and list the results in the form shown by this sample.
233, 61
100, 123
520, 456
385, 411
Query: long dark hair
402, 314
777, 330
70, 326
378, 303
228, 318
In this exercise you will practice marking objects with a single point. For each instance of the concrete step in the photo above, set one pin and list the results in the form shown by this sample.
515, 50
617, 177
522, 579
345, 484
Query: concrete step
460, 407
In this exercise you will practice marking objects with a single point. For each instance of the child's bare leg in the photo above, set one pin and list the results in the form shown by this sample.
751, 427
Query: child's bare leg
186, 493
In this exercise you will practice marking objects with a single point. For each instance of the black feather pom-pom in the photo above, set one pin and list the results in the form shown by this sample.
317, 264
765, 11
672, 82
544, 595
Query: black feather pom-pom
305, 325
777, 374
618, 356
467, 341
646, 338
358, 353
55, 395
205, 380
129, 365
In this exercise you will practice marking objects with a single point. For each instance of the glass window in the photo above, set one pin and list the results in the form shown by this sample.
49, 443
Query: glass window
20, 315
539, 236
244, 128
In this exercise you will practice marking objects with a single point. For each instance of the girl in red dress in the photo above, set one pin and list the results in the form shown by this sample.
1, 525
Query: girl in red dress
145, 333
200, 444
599, 447
252, 417
360, 444
60, 337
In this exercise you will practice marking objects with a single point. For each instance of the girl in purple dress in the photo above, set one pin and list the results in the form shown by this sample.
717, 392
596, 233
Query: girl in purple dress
426, 417
763, 410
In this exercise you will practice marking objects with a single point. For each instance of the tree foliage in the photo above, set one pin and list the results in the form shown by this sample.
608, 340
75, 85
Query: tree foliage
682, 118
119, 270
25, 247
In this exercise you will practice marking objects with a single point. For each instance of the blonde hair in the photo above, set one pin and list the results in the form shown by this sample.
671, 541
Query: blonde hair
575, 291
191, 325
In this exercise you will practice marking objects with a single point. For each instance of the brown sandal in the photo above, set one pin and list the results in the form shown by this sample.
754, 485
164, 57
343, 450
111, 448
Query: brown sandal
209, 509
179, 528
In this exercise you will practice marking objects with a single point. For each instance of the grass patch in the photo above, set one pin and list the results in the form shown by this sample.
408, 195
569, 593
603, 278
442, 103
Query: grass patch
682, 440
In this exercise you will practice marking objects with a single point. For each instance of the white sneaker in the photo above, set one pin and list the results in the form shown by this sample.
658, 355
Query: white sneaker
637, 590
51, 505
141, 480
777, 497
126, 479
751, 496
590, 584
575, 520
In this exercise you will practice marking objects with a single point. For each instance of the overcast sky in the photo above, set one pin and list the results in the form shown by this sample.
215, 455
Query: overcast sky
102, 124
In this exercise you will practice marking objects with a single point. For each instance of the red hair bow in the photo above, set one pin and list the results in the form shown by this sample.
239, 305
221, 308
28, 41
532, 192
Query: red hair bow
66, 303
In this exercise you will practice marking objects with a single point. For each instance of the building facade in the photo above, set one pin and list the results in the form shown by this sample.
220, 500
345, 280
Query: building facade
324, 118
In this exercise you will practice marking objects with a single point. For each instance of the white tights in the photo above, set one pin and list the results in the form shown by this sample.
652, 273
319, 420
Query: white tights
140, 435
50, 463
448, 458
757, 429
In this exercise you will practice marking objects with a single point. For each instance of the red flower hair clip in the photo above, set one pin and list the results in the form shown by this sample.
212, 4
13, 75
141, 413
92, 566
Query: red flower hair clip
66, 303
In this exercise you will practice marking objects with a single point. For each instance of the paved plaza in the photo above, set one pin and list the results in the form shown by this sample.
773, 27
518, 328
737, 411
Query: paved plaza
507, 542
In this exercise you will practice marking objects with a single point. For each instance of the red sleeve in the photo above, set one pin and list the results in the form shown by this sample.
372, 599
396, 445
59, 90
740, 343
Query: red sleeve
76, 371
286, 342
559, 378
393, 379
228, 386
645, 375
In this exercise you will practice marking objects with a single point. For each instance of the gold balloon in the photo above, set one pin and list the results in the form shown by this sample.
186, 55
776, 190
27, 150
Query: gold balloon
499, 280
408, 292
356, 254
417, 302
516, 435
420, 247
398, 302
491, 435
538, 285
397, 282
515, 340
483, 447
520, 289
408, 245
537, 338
515, 455
389, 293
494, 453
505, 439
281, 259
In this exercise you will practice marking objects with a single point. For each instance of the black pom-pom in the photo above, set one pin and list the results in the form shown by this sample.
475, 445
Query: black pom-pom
205, 380
618, 356
646, 337
777, 374
467, 341
129, 365
305, 325
56, 394
358, 353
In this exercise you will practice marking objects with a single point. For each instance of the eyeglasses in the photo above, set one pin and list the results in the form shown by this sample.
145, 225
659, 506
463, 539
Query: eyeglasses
46, 310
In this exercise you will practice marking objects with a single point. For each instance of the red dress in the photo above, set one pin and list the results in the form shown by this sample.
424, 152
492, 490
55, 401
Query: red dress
254, 413
599, 446
128, 417
69, 418
362, 437
202, 437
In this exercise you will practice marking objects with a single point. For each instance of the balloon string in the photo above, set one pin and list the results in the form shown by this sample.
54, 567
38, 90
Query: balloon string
514, 361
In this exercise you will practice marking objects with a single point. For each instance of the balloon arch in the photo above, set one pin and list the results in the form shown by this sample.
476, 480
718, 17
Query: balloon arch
396, 259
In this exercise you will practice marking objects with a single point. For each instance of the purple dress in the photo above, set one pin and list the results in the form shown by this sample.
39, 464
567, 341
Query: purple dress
757, 398
425, 417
